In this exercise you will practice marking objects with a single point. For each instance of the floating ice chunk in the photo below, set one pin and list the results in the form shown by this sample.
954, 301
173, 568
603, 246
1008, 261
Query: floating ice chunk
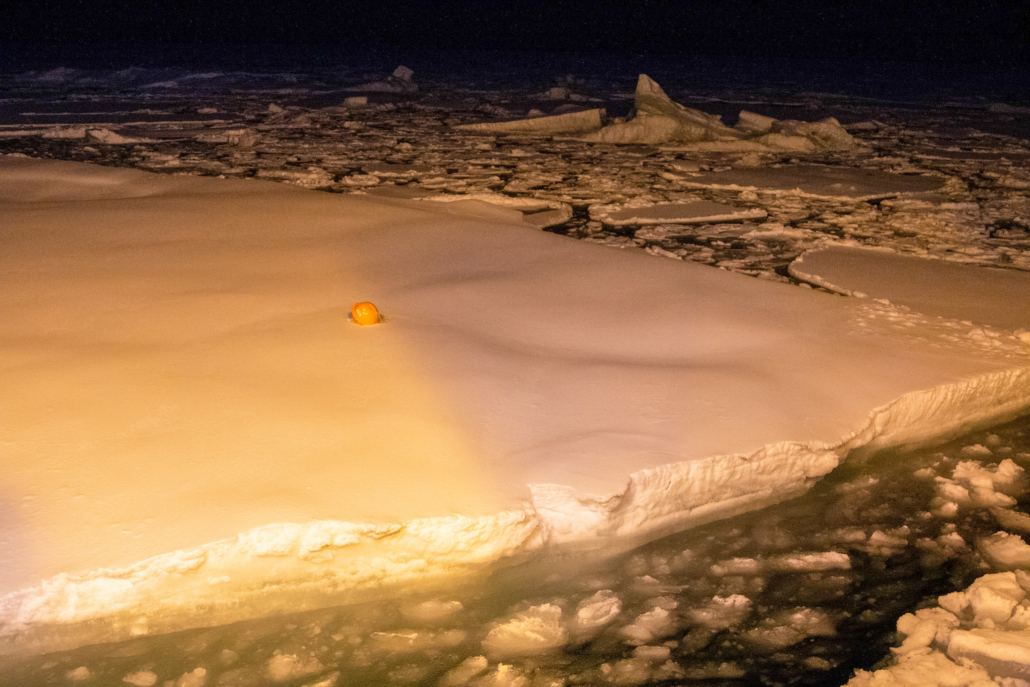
811, 562
111, 138
925, 626
65, 132
431, 611
355, 101
648, 626
737, 566
503, 675
194, 678
568, 123
78, 674
652, 653
986, 295
142, 678
692, 212
976, 451
1005, 551
465, 671
410, 641
597, 610
988, 604
284, 667
1003, 654
1012, 521
536, 630
924, 670
722, 612
328, 681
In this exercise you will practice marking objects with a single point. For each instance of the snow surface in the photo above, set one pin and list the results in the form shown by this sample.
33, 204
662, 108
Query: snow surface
191, 421
982, 295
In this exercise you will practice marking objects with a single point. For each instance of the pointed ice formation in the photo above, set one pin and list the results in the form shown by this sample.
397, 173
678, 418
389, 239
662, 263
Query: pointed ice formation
659, 120
398, 82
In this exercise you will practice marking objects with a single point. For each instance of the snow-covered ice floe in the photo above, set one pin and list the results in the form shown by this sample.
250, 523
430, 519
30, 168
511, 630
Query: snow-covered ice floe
567, 123
689, 212
852, 183
658, 120
981, 295
195, 433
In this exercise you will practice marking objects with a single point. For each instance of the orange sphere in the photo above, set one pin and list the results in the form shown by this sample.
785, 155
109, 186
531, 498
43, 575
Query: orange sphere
365, 313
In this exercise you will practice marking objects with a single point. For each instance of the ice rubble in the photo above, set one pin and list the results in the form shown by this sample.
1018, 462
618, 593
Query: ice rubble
980, 636
307, 461
659, 120
982, 295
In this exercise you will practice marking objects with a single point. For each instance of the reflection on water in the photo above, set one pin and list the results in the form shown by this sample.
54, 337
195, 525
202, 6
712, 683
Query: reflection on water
801, 593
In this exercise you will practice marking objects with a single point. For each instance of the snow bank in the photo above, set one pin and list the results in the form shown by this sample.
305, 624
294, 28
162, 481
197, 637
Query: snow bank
659, 120
196, 434
982, 295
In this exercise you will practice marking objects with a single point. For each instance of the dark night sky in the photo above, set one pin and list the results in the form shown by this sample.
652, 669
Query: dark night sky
978, 31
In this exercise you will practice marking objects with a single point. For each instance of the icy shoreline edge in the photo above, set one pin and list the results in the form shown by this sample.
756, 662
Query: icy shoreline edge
282, 568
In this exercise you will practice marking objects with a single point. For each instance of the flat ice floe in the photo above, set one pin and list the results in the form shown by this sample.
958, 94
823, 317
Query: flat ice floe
818, 180
973, 293
689, 212
193, 423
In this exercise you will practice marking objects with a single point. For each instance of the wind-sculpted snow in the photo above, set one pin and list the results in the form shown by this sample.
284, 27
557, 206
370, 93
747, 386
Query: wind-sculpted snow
205, 437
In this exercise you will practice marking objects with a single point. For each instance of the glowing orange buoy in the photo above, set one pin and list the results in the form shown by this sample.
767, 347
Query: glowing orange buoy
364, 314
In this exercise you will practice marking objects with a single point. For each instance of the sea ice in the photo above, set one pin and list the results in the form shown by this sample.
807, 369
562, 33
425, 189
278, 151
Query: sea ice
567, 123
193, 422
852, 183
659, 120
982, 295
536, 630
690, 212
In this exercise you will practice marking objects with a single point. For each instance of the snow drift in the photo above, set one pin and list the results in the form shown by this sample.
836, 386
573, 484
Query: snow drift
196, 434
